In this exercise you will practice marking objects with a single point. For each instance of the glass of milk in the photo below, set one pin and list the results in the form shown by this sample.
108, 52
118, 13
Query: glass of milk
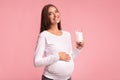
79, 36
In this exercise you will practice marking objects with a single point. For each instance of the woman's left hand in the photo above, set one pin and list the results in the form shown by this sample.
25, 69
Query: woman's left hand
80, 45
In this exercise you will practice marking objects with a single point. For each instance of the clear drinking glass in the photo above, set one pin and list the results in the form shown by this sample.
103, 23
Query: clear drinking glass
79, 35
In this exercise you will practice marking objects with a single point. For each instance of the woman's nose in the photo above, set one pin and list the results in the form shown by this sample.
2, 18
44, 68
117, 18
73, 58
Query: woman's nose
55, 14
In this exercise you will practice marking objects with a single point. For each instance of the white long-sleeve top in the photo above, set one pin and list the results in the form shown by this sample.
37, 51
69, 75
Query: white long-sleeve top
50, 45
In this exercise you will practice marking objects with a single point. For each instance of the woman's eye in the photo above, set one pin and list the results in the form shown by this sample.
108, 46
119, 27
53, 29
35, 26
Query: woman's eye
56, 11
50, 13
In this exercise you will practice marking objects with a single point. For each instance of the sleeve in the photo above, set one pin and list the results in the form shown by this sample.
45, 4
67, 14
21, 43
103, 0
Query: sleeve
74, 52
39, 60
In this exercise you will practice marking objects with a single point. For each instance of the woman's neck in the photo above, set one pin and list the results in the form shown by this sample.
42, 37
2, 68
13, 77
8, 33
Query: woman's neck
54, 28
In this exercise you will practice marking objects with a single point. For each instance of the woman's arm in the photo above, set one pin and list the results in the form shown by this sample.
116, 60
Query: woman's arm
39, 60
77, 50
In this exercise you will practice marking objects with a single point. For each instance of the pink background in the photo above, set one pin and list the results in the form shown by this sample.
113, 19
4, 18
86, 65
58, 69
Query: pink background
99, 19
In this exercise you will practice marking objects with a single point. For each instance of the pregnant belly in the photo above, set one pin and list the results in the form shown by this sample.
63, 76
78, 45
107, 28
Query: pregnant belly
61, 68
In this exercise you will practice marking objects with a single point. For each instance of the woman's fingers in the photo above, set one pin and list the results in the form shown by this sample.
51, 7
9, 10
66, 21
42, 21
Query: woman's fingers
63, 56
80, 44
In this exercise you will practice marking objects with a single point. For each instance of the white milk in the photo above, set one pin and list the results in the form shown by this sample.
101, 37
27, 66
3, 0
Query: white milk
79, 36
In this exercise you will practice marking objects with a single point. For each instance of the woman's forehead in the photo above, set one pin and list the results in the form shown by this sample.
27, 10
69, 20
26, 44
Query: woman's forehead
51, 8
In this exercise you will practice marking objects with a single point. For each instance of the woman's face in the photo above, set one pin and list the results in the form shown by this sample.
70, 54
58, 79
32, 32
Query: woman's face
53, 15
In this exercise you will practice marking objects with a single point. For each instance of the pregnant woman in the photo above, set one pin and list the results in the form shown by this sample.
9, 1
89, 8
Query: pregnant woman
54, 47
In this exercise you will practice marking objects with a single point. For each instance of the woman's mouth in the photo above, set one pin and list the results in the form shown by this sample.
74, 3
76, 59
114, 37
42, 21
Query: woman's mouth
56, 19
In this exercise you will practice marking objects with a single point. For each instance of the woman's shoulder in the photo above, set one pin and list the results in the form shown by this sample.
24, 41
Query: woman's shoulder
66, 32
42, 34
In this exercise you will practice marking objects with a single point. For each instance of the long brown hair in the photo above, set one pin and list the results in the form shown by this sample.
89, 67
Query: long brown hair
45, 22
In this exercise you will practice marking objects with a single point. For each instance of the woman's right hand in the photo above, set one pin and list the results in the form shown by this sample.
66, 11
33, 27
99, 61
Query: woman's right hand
64, 56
